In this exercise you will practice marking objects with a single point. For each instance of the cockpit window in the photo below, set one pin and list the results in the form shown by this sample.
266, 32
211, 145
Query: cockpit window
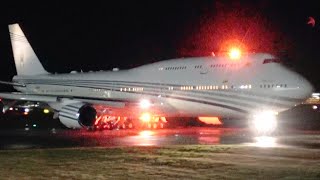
273, 60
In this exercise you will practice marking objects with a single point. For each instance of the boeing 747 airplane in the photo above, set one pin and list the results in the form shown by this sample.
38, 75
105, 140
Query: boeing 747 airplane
248, 86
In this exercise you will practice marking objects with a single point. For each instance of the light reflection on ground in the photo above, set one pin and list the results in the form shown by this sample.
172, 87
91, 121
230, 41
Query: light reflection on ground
21, 139
265, 141
145, 138
146, 133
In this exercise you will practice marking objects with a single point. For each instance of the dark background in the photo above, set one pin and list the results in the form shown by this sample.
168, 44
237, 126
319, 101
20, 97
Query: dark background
100, 35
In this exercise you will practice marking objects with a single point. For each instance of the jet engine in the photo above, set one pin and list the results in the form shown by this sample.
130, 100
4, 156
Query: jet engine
78, 115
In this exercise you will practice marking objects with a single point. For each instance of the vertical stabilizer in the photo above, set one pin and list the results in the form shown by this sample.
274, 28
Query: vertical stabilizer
26, 61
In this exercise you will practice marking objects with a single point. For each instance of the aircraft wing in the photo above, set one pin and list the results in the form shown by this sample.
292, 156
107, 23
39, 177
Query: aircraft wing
51, 99
130, 107
27, 97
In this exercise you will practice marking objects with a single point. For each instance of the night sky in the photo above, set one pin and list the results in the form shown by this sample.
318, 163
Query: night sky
100, 35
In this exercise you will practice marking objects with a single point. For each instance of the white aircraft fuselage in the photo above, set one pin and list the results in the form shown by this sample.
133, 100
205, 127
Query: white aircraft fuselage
202, 86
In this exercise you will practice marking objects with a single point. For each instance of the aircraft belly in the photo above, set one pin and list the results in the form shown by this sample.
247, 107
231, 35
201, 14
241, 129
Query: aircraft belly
195, 109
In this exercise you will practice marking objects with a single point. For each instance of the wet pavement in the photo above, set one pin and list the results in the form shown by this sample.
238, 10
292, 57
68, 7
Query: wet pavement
61, 138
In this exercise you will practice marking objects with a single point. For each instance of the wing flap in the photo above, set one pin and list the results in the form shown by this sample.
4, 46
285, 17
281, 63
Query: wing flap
12, 84
27, 97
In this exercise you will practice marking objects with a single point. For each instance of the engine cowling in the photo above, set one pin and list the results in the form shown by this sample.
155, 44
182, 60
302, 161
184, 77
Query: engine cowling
78, 115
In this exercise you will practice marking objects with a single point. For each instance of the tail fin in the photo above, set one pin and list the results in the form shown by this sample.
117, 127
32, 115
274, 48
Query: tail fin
26, 61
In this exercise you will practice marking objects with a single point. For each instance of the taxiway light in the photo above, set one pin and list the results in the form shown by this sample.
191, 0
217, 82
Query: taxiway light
46, 111
314, 107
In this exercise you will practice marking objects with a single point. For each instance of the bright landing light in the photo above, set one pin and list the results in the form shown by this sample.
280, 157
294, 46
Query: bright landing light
234, 53
265, 122
145, 103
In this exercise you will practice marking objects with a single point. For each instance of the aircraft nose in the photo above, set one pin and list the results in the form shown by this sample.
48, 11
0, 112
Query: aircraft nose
306, 88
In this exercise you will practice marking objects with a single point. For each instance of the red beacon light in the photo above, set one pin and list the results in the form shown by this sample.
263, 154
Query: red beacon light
234, 53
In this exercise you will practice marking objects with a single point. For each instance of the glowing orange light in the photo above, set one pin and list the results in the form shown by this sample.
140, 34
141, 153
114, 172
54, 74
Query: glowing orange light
25, 113
163, 119
97, 120
210, 120
145, 117
234, 53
